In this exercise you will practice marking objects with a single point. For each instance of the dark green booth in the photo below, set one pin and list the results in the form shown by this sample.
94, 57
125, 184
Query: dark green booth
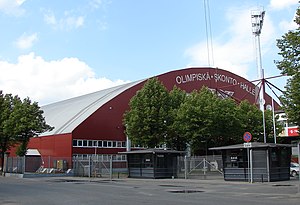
256, 162
152, 163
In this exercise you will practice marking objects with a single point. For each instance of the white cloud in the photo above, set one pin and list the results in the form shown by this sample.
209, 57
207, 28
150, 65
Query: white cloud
288, 25
282, 4
234, 48
49, 18
50, 81
12, 7
67, 22
95, 4
72, 22
26, 41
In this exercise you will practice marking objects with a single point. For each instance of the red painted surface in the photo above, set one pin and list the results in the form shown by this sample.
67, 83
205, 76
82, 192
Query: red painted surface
51, 148
293, 132
56, 145
106, 122
195, 78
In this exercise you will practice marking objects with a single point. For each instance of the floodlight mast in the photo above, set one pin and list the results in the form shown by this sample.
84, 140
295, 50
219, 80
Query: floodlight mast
257, 19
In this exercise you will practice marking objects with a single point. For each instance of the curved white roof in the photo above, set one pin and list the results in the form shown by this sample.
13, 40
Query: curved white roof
66, 115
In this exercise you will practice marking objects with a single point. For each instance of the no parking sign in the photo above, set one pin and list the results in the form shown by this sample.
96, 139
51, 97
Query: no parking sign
247, 137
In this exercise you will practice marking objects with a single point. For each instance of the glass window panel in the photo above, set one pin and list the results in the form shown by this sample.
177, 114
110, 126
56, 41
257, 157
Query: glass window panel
79, 143
90, 143
74, 143
84, 143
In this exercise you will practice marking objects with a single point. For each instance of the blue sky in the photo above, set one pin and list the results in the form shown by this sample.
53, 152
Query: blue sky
54, 50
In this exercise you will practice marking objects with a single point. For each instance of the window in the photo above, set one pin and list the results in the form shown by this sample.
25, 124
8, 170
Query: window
104, 143
74, 143
90, 143
95, 144
84, 143
100, 144
109, 143
79, 143
114, 144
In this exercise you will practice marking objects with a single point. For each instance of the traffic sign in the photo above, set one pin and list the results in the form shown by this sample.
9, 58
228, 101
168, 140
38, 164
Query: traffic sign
247, 137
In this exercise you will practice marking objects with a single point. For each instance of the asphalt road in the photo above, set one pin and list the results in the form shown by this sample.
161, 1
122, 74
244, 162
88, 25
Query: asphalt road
70, 191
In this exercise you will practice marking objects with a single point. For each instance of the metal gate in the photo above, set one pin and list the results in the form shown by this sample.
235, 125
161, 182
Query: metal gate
97, 166
200, 167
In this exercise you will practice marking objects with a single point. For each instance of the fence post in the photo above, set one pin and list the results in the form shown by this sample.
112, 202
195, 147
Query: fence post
24, 164
185, 167
5, 164
110, 167
204, 166
49, 166
90, 169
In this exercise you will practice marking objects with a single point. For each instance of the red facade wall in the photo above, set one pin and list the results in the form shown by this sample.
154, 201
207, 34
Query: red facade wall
106, 122
55, 145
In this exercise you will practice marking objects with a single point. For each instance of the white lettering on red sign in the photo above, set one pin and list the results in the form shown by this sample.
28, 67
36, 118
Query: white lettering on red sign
182, 79
293, 131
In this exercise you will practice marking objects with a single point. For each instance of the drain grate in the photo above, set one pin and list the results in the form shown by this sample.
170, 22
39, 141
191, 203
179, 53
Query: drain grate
170, 185
282, 185
185, 191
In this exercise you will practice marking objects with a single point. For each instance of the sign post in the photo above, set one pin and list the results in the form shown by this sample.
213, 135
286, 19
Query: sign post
247, 138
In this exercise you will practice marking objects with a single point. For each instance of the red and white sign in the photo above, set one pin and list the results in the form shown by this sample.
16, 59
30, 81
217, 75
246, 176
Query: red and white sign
293, 132
247, 137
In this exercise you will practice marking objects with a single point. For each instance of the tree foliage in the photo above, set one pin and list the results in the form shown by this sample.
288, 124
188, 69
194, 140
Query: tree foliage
19, 121
200, 119
146, 121
289, 46
7, 131
174, 139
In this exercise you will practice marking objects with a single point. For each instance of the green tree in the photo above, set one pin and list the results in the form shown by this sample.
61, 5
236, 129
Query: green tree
289, 46
28, 121
19, 121
250, 118
146, 121
226, 125
195, 119
174, 139
7, 132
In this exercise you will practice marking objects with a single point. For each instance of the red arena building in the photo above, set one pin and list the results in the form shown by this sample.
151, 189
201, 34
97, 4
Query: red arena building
92, 124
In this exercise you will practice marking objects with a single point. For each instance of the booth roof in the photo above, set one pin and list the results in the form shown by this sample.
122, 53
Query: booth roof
153, 151
253, 145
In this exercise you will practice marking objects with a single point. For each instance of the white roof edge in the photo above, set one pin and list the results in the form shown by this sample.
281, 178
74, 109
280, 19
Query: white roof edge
66, 115
33, 152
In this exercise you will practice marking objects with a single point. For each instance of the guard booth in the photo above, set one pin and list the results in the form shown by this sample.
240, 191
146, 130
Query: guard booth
256, 162
152, 163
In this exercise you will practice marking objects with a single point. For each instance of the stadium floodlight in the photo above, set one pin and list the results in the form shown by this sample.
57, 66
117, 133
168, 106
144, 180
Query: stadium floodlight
257, 19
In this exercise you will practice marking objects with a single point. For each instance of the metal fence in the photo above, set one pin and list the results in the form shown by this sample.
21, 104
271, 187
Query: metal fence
110, 166
97, 166
199, 167
37, 164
